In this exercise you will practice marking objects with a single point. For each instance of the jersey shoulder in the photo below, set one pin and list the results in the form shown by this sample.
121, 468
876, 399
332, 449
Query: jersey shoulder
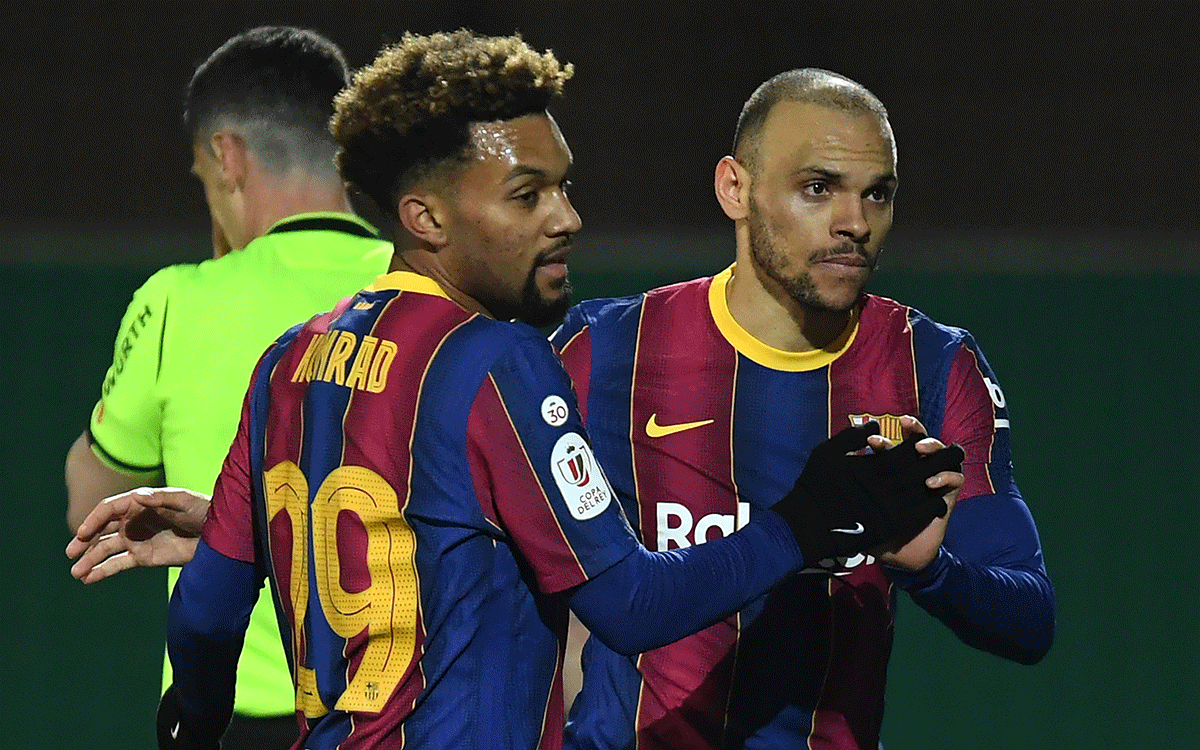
883, 313
616, 311
163, 283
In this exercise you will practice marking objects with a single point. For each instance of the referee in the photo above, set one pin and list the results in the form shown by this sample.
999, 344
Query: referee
285, 247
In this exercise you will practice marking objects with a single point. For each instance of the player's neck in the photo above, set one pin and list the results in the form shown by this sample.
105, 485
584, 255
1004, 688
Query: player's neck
278, 198
426, 263
768, 313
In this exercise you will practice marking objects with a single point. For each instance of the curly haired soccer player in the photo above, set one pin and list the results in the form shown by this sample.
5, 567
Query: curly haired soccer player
411, 470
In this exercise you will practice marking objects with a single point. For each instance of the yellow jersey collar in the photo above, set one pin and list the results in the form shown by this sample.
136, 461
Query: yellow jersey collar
406, 281
763, 354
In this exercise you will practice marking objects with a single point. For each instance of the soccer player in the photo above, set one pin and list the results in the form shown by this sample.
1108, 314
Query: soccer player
257, 111
411, 471
704, 398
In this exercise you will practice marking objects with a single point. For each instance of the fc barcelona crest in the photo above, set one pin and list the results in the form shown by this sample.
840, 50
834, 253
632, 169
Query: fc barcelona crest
889, 424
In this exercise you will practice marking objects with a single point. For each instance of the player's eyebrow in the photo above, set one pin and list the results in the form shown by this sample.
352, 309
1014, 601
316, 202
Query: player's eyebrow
836, 178
524, 170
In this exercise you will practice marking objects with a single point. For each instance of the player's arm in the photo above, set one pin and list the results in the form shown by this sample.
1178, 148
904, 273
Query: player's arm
120, 450
842, 504
531, 458
987, 581
206, 625
650, 599
211, 604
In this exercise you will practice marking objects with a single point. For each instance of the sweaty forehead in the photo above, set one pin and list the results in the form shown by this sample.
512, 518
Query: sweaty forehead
797, 135
532, 140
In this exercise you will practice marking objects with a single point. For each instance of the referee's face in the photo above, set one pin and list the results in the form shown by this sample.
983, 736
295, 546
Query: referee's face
509, 221
821, 202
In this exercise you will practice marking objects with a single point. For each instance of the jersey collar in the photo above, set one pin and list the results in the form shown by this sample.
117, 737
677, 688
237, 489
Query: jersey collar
763, 354
325, 221
406, 281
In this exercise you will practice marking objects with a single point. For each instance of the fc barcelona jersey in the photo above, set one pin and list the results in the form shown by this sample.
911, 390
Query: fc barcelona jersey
421, 486
698, 425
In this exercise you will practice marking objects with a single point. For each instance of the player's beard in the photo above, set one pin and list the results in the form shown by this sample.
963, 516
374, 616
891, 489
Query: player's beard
772, 262
536, 310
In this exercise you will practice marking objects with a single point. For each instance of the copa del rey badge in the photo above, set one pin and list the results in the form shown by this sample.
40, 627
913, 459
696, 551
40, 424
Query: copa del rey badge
579, 478
889, 424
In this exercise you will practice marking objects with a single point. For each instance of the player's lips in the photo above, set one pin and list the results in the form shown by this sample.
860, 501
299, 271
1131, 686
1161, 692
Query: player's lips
855, 260
554, 263
558, 255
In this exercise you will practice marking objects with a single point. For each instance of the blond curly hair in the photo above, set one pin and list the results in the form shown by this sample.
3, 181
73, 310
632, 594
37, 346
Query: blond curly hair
407, 115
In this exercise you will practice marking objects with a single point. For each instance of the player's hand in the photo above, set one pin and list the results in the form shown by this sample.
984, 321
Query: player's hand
914, 554
146, 527
845, 504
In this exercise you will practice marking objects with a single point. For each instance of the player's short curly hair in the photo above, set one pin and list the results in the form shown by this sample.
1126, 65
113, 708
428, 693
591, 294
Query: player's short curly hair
407, 115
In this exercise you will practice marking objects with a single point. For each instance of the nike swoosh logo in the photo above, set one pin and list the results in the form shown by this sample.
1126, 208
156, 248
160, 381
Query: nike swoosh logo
858, 529
175, 731
655, 430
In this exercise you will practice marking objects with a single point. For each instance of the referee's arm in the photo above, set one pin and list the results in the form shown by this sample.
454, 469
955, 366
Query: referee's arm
90, 480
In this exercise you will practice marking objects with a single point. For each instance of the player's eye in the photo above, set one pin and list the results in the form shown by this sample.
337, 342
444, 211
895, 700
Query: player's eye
817, 188
879, 194
527, 198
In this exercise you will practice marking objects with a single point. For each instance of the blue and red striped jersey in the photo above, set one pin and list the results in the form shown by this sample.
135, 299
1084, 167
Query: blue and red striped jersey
698, 424
423, 487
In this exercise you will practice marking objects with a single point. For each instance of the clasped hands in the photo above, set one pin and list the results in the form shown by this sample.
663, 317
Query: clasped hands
892, 502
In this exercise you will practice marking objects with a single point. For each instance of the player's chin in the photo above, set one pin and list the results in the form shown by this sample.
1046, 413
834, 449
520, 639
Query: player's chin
548, 306
839, 301
841, 294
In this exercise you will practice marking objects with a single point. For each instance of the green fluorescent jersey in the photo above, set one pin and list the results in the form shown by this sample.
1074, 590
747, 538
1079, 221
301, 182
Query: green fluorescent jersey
183, 359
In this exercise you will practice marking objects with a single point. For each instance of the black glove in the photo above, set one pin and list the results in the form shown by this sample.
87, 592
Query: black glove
843, 505
897, 477
180, 730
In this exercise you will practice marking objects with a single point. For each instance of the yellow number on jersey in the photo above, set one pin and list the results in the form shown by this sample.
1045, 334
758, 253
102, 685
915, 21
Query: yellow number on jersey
386, 610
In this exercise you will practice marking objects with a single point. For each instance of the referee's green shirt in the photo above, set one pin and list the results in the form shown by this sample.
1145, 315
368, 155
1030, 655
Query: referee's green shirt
182, 363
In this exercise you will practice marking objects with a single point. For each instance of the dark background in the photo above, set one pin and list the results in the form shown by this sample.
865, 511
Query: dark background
1057, 117
1048, 169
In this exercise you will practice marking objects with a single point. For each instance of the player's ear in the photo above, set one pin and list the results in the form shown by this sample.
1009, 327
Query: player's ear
732, 186
229, 149
421, 214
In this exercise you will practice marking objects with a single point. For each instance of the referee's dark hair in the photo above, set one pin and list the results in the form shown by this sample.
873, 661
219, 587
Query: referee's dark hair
274, 86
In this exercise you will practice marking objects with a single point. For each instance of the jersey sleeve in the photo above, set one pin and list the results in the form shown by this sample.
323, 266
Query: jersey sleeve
207, 618
573, 343
976, 417
988, 582
534, 470
126, 423
228, 529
